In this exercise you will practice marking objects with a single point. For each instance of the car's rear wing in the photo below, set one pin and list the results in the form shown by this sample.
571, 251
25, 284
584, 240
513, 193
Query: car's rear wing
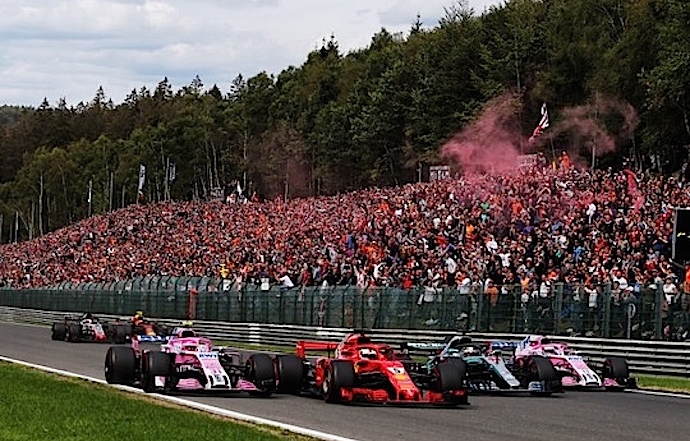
425, 347
303, 346
498, 345
151, 338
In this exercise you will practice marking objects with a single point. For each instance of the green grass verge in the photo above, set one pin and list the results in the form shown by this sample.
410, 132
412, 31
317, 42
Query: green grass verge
658, 382
36, 406
651, 382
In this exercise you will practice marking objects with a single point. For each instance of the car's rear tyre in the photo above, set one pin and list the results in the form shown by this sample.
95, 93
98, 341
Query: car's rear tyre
154, 364
74, 333
261, 372
449, 375
59, 331
339, 374
119, 334
290, 369
616, 368
120, 365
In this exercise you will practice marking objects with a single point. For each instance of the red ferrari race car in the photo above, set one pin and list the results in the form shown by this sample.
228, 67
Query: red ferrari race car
363, 371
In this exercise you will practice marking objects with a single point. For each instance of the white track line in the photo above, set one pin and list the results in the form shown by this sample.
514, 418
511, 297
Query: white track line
659, 393
192, 404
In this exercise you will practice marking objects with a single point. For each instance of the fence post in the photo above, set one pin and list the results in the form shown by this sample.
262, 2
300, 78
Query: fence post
606, 320
480, 307
558, 310
658, 312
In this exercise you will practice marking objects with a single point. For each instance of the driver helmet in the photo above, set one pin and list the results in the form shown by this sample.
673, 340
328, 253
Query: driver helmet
470, 350
139, 315
367, 353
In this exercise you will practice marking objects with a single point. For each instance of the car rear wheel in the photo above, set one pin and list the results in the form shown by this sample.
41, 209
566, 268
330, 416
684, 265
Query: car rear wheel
261, 372
119, 334
74, 333
154, 364
339, 374
449, 375
290, 370
59, 331
120, 365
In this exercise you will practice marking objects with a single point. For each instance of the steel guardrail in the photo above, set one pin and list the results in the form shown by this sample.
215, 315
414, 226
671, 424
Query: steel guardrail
649, 357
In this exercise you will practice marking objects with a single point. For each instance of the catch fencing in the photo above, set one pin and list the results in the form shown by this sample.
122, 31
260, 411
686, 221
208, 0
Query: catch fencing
561, 309
650, 357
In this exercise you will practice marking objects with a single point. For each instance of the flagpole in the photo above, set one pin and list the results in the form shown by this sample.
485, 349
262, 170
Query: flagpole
90, 196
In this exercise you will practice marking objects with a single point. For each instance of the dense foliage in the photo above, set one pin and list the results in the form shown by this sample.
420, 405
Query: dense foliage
344, 121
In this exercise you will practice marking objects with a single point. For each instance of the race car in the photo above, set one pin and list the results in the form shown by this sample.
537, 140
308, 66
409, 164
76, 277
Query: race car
363, 371
88, 328
190, 363
487, 368
574, 370
141, 325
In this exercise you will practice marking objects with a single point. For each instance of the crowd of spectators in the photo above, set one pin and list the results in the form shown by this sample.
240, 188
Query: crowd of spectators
533, 227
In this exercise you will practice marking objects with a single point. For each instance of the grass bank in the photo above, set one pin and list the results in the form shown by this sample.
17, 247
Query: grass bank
658, 382
37, 406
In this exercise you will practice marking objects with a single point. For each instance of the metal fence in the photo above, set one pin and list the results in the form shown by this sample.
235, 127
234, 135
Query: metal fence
650, 357
563, 310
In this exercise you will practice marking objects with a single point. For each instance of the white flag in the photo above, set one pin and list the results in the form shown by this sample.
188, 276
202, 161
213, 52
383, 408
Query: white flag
90, 191
142, 176
239, 189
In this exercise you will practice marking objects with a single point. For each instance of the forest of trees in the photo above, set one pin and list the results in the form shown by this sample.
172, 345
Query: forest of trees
340, 121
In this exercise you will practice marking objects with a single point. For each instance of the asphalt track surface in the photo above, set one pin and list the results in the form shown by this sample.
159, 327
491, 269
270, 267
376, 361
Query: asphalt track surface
573, 416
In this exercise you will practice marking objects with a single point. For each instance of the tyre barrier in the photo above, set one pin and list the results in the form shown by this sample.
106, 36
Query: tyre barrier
645, 357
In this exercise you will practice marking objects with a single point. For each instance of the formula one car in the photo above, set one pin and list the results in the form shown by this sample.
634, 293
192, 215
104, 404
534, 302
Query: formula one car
362, 371
574, 370
143, 326
190, 363
87, 328
486, 368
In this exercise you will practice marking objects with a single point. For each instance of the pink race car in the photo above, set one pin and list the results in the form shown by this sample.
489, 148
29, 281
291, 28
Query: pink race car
573, 369
188, 362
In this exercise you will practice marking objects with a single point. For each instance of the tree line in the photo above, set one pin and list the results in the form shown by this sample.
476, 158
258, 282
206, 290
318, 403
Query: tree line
372, 117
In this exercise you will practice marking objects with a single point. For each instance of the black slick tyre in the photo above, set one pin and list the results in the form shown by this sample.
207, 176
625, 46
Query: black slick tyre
119, 334
339, 374
290, 370
449, 375
154, 364
59, 331
261, 372
74, 333
120, 365
615, 367
541, 369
